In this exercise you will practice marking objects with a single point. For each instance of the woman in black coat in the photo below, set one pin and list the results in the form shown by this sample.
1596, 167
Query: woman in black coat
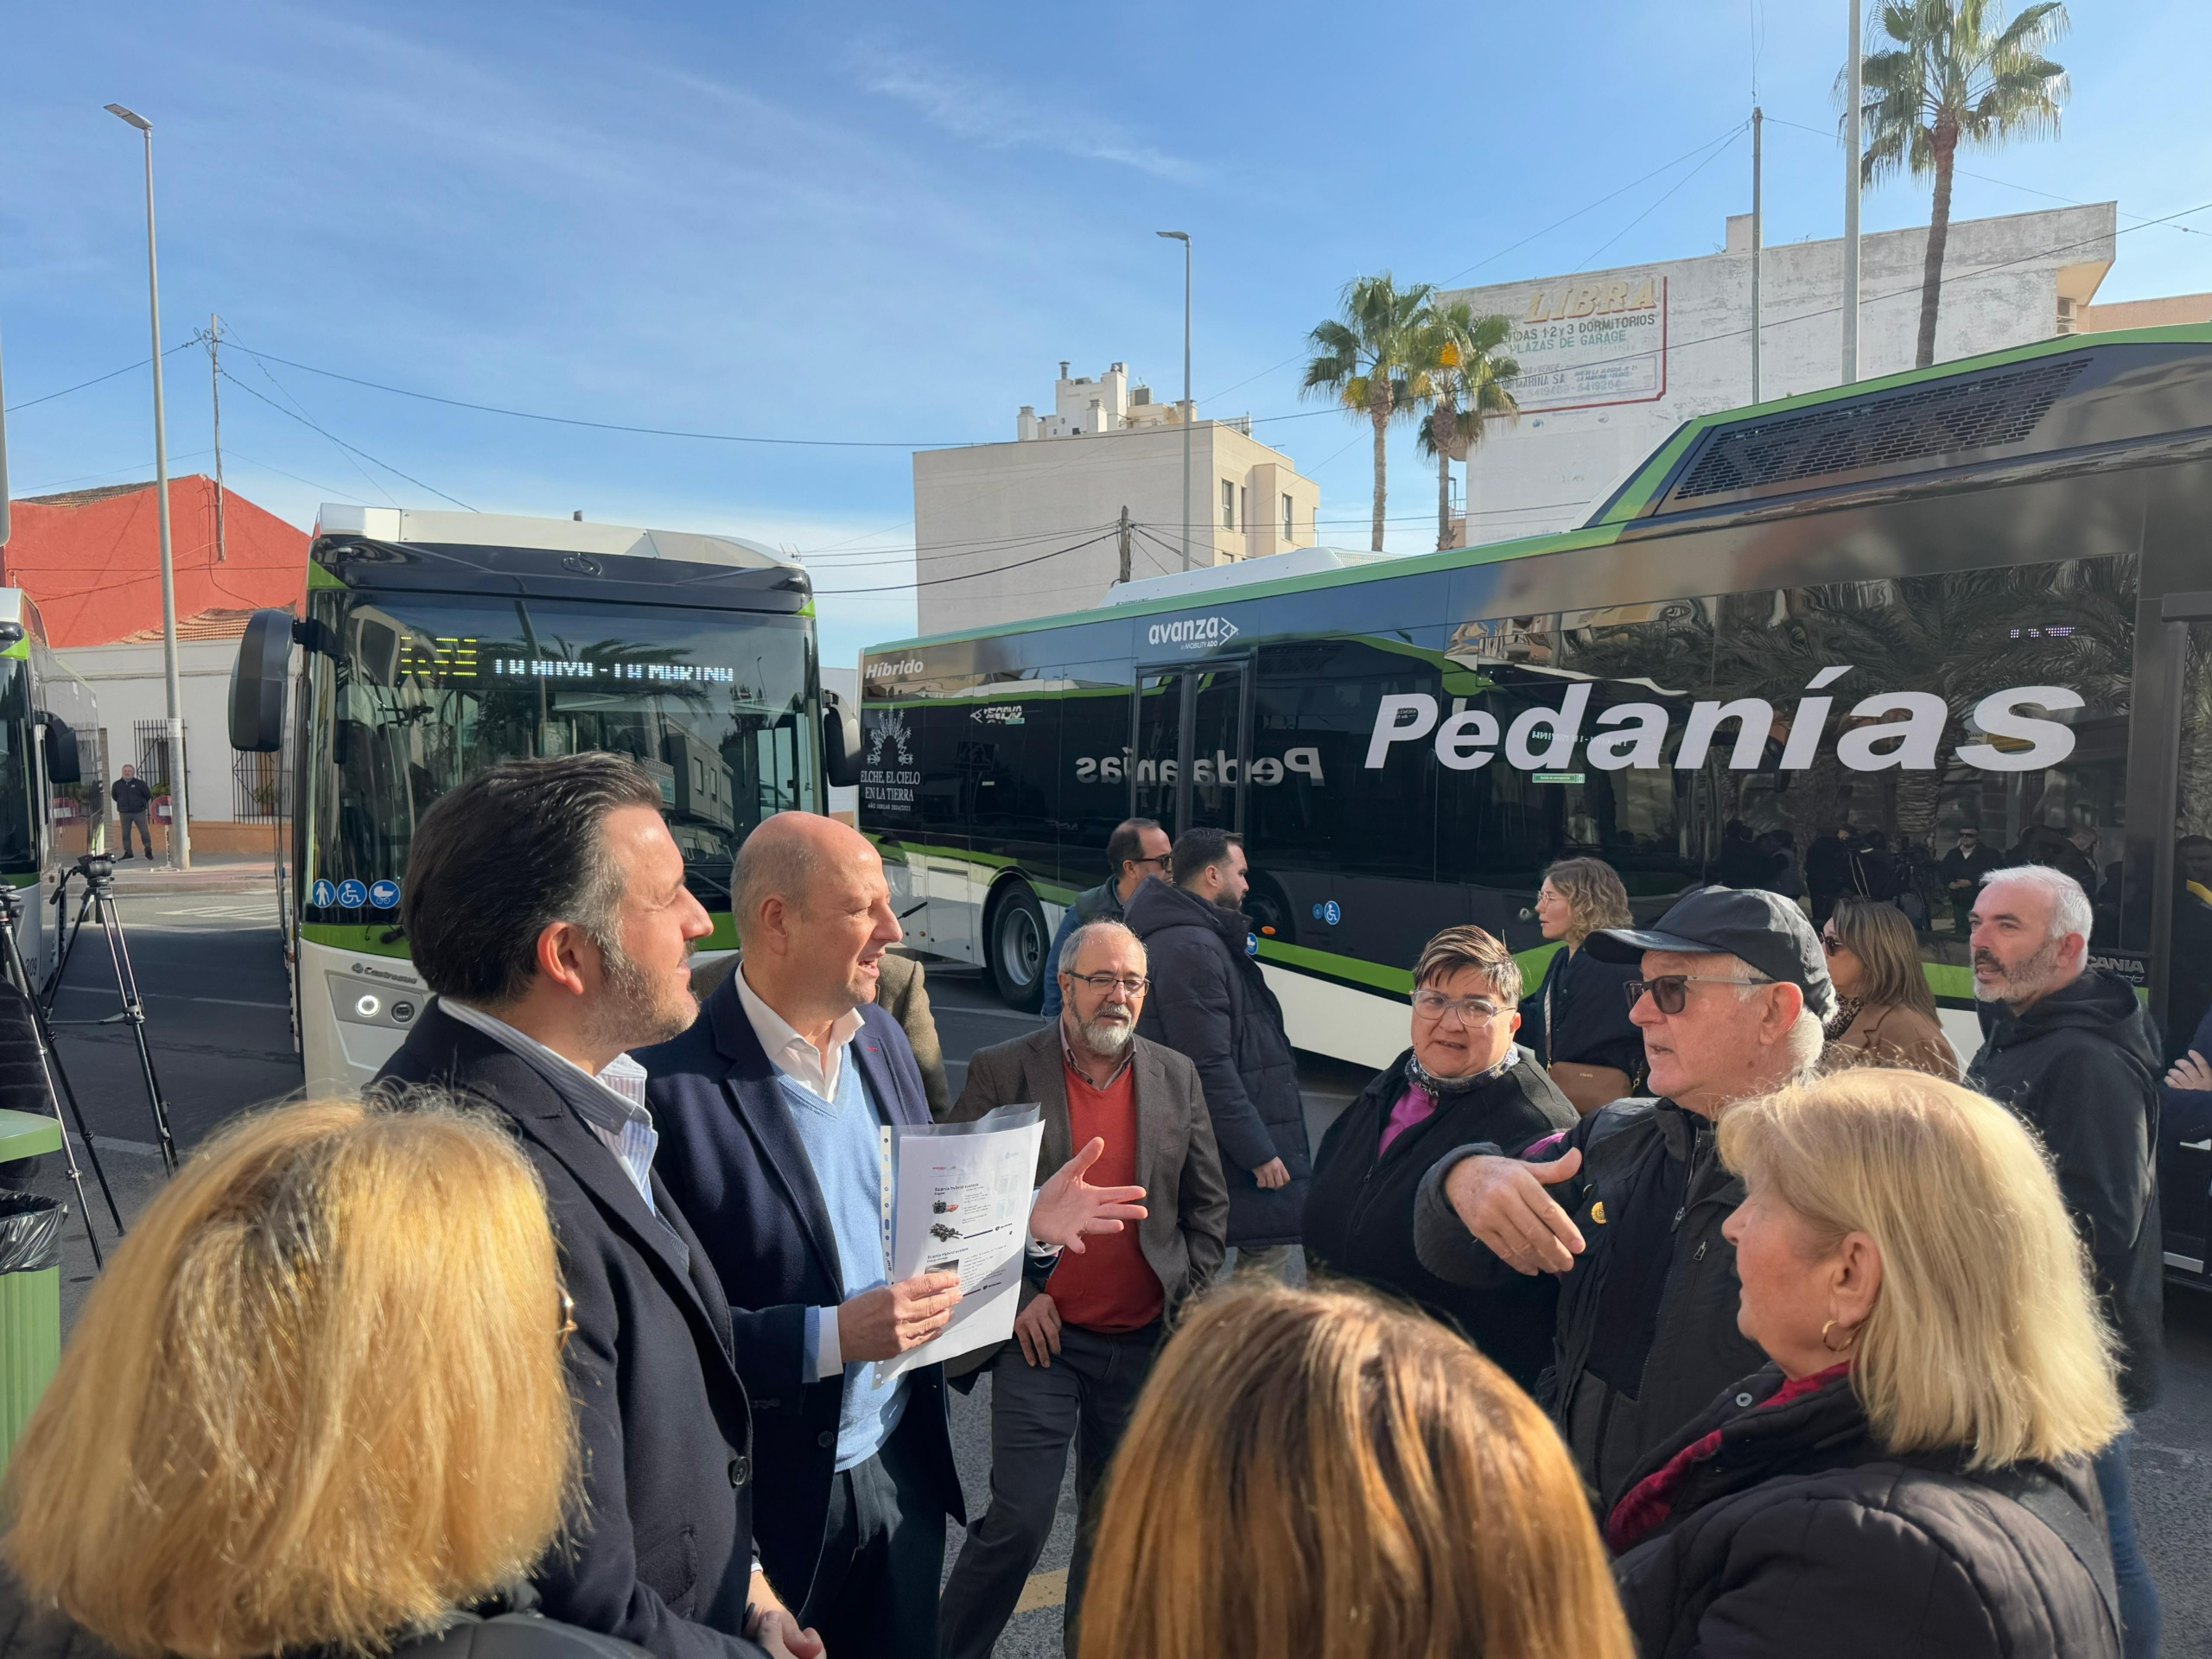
1910, 1478
1576, 1019
1463, 1081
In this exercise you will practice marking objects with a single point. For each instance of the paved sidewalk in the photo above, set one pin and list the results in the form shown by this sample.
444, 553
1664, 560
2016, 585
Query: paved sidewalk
210, 873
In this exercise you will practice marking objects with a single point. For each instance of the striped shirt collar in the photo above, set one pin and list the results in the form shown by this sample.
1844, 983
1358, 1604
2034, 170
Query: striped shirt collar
611, 1105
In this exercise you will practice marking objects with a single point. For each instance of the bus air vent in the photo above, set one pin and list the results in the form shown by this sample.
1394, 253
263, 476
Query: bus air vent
1877, 435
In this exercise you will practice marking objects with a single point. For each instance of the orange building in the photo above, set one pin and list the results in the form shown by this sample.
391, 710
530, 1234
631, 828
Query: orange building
91, 560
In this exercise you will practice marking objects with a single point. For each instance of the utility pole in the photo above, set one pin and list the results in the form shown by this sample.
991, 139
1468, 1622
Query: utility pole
215, 385
1190, 415
1758, 257
179, 818
1851, 145
1124, 577
4, 473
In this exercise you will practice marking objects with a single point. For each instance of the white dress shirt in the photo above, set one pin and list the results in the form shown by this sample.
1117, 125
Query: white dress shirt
805, 1065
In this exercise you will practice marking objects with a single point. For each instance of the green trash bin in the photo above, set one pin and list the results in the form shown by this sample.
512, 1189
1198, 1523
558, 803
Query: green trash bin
30, 1307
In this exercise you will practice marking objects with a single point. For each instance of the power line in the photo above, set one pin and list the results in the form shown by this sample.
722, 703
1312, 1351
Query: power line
351, 449
97, 380
611, 426
966, 575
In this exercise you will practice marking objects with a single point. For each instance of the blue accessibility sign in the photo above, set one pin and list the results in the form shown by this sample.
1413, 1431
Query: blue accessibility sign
1251, 944
384, 895
351, 895
325, 893
1331, 914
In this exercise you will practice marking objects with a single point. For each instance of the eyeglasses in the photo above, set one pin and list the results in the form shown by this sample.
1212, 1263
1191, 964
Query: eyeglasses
1474, 1013
1669, 992
568, 1319
1102, 984
1163, 860
1832, 945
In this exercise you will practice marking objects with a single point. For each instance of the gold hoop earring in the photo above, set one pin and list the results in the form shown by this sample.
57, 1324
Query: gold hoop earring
1850, 1337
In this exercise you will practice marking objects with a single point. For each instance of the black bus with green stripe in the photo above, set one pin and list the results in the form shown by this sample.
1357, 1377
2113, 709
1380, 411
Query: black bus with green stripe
1978, 596
437, 645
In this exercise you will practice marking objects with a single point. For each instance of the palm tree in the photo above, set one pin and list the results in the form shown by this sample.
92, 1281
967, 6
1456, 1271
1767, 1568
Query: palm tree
1957, 73
1368, 356
1465, 383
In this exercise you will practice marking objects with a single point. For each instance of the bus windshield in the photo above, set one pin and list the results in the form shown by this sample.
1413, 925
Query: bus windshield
416, 693
19, 812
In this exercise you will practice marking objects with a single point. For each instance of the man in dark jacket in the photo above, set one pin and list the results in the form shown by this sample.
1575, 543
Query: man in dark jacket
1210, 1003
1629, 1207
1827, 871
1138, 850
543, 978
133, 800
1964, 868
2072, 1052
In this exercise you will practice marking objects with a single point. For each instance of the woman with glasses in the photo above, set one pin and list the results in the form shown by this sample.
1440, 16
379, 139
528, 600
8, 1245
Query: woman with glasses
315, 1405
1886, 1014
1577, 1025
1463, 1082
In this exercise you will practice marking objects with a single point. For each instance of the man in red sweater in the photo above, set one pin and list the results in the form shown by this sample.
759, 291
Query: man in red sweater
1084, 1344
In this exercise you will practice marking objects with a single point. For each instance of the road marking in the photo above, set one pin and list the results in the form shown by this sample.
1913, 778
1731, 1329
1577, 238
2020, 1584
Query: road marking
1044, 1590
176, 996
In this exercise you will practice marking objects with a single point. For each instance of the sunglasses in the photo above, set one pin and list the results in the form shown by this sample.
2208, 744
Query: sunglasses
1833, 946
1670, 993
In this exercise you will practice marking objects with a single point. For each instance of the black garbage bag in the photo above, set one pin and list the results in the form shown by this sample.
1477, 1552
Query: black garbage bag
30, 1232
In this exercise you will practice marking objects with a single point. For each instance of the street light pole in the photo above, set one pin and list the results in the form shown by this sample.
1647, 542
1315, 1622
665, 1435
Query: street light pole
1856, 94
1189, 414
180, 818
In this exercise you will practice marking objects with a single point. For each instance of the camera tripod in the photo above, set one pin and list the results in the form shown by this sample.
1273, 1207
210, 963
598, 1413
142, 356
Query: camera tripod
99, 904
18, 976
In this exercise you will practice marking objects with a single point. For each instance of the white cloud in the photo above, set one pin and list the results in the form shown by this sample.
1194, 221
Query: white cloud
999, 118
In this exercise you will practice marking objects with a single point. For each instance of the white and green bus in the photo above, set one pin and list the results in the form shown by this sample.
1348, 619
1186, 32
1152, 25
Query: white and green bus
437, 645
1978, 596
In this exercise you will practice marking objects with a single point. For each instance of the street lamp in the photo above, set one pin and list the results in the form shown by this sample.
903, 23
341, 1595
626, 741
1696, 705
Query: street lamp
180, 818
1183, 236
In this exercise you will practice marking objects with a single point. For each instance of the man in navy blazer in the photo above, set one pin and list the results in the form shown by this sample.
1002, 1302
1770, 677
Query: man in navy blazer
769, 1111
546, 907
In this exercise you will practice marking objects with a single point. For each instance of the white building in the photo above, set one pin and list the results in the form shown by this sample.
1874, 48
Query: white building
1612, 361
1006, 531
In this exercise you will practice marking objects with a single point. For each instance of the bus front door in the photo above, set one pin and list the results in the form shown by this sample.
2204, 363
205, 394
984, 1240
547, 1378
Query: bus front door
1190, 743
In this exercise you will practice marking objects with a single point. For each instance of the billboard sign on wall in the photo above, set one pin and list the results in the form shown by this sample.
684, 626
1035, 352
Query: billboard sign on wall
1582, 344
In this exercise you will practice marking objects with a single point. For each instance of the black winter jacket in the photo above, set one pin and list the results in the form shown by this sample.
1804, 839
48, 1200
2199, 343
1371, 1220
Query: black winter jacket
1579, 1015
1652, 1181
1800, 1535
27, 1632
2081, 1069
1210, 1003
1359, 1216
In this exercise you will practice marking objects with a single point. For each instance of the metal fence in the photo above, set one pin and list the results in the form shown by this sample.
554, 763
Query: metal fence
261, 788
151, 743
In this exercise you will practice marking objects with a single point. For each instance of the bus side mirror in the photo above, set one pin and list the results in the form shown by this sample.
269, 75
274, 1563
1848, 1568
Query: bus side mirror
258, 683
63, 764
841, 741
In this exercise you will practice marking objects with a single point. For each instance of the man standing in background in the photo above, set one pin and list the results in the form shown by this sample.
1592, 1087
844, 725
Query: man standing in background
1136, 852
134, 802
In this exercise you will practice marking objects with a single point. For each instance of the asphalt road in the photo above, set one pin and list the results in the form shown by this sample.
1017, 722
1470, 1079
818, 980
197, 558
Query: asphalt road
211, 972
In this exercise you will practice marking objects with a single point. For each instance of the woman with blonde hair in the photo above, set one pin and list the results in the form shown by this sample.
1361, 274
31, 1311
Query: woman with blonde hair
1576, 1022
1911, 1476
1886, 1014
1320, 1475
315, 1402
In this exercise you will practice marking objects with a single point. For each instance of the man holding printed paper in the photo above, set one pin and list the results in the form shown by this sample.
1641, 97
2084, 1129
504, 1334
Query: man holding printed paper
1084, 1342
770, 1111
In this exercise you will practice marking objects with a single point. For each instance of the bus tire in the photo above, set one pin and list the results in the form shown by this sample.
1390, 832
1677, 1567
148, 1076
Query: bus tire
1016, 942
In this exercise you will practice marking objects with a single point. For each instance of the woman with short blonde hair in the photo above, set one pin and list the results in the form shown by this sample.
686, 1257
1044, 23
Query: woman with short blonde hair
1940, 1380
316, 1400
1576, 1019
1324, 1474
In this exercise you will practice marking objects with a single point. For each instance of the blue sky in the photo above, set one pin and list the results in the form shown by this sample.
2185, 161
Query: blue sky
886, 225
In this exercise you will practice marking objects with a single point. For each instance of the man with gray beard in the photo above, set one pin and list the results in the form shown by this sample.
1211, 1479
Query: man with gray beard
2073, 1053
1092, 1320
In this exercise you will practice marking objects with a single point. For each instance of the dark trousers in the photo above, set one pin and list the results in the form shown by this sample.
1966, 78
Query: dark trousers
136, 821
1085, 1396
875, 1590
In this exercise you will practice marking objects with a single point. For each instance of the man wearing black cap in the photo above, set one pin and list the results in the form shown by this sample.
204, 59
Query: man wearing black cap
1627, 1206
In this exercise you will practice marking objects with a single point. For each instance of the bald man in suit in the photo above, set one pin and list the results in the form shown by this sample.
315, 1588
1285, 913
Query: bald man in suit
900, 993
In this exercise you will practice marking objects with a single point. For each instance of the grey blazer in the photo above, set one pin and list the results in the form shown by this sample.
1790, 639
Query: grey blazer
1186, 1232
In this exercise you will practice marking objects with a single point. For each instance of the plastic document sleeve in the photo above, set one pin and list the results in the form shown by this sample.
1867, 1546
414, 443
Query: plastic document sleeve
955, 1199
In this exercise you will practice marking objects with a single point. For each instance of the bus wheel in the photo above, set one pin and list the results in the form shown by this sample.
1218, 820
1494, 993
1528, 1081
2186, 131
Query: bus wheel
1014, 946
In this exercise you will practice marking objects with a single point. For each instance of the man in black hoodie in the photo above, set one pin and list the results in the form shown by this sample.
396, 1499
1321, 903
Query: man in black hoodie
2072, 1052
1210, 1003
